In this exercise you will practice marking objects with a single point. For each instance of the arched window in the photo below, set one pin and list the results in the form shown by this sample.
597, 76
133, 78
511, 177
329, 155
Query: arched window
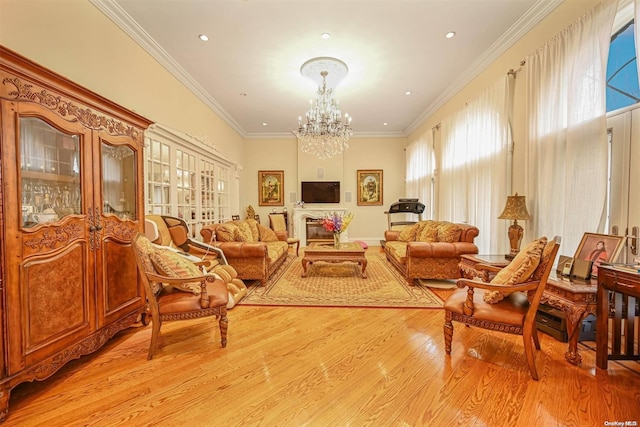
622, 70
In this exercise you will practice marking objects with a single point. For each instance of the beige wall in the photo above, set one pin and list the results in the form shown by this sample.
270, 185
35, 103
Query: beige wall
364, 153
567, 13
74, 39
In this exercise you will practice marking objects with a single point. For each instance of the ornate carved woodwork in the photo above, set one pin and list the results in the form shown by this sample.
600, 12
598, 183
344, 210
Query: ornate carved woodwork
618, 309
68, 280
577, 298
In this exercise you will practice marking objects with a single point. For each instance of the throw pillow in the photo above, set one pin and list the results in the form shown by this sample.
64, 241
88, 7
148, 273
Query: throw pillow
253, 226
518, 271
546, 255
449, 232
245, 230
172, 264
408, 233
428, 232
267, 234
227, 232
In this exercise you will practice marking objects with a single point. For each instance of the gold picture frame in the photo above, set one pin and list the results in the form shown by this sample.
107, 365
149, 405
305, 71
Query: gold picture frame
599, 248
370, 187
271, 188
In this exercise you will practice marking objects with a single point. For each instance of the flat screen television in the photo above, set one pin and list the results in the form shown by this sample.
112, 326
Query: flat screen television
320, 191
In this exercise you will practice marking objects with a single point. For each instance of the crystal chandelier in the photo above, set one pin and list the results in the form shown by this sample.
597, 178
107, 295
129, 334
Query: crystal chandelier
323, 132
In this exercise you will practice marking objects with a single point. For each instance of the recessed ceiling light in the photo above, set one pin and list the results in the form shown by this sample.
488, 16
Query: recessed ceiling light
408, 92
203, 37
325, 35
450, 34
385, 124
264, 123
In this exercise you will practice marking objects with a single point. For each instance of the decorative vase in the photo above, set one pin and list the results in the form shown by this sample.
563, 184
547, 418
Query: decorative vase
336, 240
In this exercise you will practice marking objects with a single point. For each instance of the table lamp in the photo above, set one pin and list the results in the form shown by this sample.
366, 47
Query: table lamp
515, 209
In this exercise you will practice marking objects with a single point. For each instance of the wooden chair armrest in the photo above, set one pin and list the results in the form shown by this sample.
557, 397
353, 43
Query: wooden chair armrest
208, 264
475, 283
204, 298
175, 280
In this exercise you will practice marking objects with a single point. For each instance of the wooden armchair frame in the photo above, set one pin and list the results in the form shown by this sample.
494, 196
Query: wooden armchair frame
515, 314
167, 304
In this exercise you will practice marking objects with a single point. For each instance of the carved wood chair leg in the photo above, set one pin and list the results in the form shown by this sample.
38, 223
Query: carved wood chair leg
224, 325
155, 332
528, 350
536, 340
448, 333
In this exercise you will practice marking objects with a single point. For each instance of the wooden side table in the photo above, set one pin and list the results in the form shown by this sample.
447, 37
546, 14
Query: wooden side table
575, 297
468, 264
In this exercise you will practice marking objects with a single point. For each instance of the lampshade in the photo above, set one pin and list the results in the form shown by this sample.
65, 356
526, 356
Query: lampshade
516, 208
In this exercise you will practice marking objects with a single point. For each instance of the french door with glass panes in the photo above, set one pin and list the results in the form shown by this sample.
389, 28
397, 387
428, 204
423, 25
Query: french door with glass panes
624, 185
184, 179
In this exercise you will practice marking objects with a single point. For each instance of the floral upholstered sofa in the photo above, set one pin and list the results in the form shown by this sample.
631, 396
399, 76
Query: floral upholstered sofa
430, 249
254, 250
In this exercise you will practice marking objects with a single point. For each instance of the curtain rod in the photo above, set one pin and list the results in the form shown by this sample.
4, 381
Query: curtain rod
513, 72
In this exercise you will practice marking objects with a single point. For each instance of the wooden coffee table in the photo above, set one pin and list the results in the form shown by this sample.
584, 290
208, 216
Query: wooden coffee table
326, 252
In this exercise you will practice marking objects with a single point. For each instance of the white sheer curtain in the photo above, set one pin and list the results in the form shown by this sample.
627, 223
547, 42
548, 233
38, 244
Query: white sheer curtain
452, 171
566, 151
419, 173
474, 166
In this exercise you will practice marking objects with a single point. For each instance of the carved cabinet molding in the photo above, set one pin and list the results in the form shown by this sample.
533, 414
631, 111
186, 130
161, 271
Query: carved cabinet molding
71, 200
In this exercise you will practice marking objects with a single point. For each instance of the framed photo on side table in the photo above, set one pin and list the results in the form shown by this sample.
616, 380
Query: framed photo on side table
271, 188
370, 187
599, 248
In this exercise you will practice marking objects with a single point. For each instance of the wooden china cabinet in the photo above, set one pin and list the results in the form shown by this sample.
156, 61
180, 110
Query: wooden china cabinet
71, 200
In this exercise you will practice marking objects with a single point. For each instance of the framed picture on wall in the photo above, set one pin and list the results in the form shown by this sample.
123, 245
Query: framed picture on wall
370, 187
599, 248
271, 188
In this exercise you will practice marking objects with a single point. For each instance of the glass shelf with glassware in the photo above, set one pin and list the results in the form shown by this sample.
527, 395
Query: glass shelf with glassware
49, 172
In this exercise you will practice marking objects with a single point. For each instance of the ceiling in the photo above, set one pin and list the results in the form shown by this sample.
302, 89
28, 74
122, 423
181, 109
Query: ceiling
249, 70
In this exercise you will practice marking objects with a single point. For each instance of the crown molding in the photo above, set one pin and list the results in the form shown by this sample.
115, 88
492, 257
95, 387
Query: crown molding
124, 21
533, 16
537, 13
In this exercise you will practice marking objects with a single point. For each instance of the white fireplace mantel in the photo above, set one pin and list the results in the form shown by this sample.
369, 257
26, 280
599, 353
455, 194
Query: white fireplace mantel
300, 216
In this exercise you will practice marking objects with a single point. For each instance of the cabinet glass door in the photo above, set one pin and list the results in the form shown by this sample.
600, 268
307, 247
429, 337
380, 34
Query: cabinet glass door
119, 181
50, 169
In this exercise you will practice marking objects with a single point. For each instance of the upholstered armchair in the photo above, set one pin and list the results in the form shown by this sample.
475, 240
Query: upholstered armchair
509, 302
172, 233
175, 289
278, 224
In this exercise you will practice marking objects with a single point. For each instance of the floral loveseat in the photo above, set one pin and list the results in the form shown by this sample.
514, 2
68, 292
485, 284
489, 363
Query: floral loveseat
253, 250
430, 249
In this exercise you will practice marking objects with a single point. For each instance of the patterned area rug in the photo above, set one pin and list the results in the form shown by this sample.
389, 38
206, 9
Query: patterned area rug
340, 285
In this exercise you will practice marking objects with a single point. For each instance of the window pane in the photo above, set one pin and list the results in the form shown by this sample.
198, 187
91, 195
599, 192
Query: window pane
622, 70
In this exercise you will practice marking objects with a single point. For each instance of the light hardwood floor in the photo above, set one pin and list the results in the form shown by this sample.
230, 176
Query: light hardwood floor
288, 366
